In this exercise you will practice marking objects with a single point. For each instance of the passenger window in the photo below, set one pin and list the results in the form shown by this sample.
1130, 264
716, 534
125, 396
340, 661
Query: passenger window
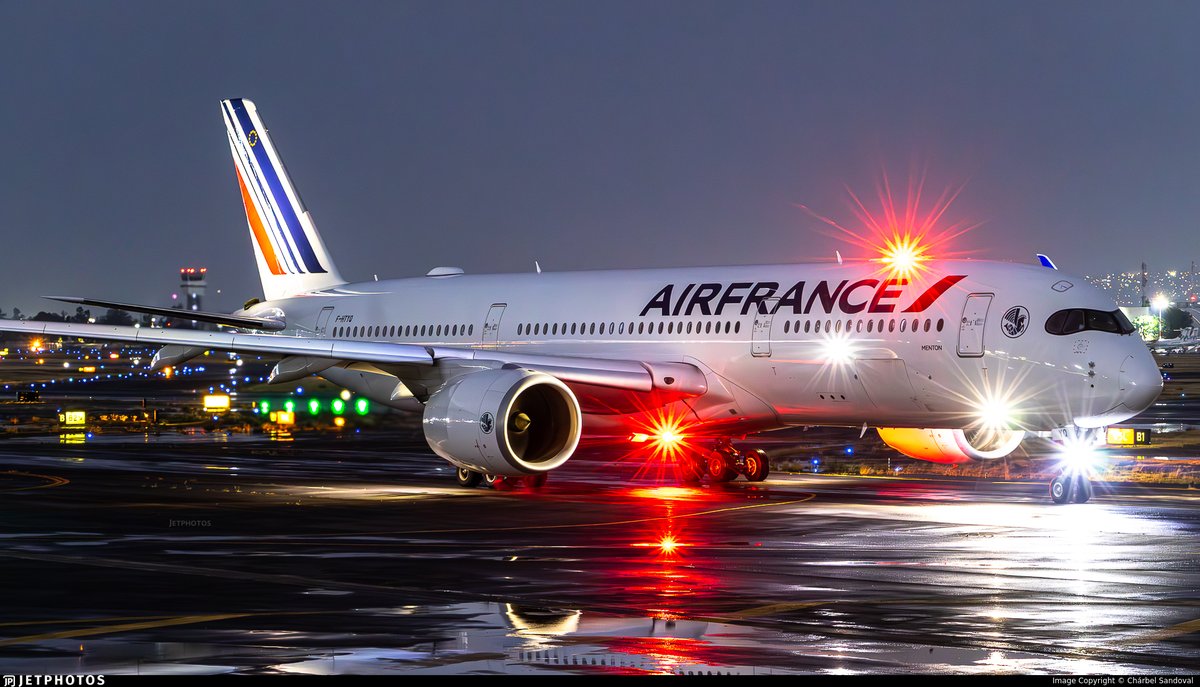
927, 324
858, 326
941, 323
903, 325
737, 327
870, 325
807, 325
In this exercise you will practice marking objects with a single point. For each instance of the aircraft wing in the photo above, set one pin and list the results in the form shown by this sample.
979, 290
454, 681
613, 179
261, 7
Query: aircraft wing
632, 375
240, 321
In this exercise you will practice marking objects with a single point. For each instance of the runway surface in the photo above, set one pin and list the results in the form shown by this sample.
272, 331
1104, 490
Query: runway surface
360, 555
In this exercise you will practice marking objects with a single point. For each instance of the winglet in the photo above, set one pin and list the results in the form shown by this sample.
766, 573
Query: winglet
1046, 261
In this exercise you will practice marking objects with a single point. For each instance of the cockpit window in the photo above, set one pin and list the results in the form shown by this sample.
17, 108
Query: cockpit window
1078, 320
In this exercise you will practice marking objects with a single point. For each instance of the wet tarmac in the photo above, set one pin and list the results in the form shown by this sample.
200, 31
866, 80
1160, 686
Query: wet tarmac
360, 555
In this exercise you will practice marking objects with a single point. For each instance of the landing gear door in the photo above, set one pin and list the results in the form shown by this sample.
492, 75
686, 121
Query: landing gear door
491, 327
323, 320
760, 335
970, 330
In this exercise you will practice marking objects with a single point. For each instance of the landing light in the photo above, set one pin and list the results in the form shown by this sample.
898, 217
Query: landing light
996, 413
1078, 452
837, 350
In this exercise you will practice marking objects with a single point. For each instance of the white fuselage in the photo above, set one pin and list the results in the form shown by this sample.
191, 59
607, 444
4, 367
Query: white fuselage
781, 345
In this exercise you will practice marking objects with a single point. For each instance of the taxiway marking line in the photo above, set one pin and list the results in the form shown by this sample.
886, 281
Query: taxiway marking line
24, 623
1185, 628
772, 609
124, 627
51, 480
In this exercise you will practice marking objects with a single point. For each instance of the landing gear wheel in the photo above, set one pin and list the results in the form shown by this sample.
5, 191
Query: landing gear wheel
758, 466
719, 468
1060, 490
688, 470
1083, 489
498, 482
467, 478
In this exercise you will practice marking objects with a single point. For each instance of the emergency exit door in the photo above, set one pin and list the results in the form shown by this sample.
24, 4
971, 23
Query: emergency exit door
491, 327
970, 330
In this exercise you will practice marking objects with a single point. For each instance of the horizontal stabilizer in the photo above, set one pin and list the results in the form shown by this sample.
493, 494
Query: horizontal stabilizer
176, 313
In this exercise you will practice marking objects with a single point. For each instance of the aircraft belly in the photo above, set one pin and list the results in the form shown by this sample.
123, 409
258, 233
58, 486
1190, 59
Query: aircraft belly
806, 391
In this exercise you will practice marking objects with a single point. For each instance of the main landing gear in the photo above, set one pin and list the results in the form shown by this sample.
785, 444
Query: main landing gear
1072, 486
723, 463
470, 478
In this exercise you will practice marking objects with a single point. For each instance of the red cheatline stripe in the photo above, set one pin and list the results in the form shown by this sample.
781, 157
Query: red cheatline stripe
935, 292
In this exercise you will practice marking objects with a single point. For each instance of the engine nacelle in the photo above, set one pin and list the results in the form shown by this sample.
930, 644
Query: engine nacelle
951, 445
504, 422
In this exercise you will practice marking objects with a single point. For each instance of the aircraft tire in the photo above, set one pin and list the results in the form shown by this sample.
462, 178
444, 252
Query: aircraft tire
758, 466
719, 469
1083, 489
1060, 489
467, 478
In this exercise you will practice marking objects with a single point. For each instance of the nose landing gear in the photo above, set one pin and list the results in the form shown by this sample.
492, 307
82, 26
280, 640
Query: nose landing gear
1071, 487
724, 463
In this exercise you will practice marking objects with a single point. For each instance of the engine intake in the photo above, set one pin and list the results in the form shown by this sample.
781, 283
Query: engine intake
504, 422
952, 445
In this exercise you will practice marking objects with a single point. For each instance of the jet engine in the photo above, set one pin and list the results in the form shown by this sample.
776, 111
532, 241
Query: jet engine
508, 421
952, 445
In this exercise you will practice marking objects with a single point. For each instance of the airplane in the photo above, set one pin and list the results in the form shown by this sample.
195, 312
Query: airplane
950, 361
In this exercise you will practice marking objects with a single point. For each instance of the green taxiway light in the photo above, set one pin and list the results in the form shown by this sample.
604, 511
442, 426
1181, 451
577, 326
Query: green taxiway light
361, 406
314, 406
338, 406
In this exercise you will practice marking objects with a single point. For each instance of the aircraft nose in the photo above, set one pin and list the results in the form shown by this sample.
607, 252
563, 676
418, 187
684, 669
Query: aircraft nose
1141, 382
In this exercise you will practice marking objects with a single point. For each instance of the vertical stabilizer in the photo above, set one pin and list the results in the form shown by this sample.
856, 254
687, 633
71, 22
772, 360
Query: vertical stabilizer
292, 258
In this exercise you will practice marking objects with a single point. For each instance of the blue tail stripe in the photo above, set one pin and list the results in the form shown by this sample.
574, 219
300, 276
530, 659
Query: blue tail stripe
256, 177
271, 176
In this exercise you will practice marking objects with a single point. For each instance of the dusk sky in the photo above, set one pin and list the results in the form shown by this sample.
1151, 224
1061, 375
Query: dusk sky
587, 134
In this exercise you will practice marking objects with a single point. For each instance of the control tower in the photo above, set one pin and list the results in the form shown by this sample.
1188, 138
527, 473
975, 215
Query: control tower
193, 285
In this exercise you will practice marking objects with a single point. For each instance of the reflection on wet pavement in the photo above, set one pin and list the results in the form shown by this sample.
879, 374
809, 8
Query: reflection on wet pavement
322, 558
